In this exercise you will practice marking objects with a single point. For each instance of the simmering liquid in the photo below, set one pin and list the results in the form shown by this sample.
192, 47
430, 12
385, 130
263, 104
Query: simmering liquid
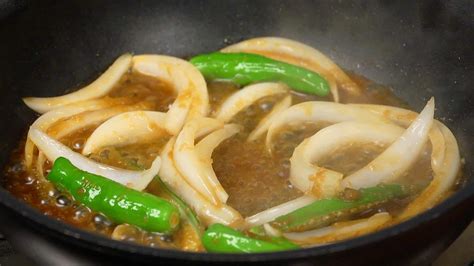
254, 179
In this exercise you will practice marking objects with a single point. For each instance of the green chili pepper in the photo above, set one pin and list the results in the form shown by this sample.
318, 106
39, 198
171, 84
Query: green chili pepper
119, 203
243, 69
223, 239
327, 211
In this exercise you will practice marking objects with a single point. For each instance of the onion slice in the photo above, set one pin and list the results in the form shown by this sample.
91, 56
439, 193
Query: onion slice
208, 212
444, 177
90, 118
398, 157
317, 111
54, 149
48, 119
192, 100
298, 54
307, 176
126, 128
246, 97
65, 127
271, 214
96, 89
340, 231
404, 118
192, 166
265, 123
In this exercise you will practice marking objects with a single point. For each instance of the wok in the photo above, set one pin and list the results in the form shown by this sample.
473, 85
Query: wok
419, 48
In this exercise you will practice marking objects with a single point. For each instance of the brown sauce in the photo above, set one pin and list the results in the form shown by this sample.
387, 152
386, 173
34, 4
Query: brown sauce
254, 179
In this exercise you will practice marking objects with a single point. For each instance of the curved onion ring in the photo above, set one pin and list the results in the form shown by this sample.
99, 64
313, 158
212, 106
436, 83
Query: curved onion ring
445, 159
340, 231
54, 149
404, 118
299, 54
83, 120
398, 157
126, 128
206, 146
192, 100
321, 182
444, 178
96, 89
265, 123
210, 213
246, 96
51, 117
316, 111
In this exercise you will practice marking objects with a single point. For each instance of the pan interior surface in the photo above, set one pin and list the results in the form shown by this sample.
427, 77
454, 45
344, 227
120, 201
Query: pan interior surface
420, 50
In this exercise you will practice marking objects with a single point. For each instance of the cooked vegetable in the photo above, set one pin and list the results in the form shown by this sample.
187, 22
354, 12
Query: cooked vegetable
320, 182
325, 171
183, 208
317, 112
126, 128
54, 149
326, 211
401, 154
119, 203
300, 54
246, 97
341, 230
244, 68
192, 99
100, 87
208, 213
224, 239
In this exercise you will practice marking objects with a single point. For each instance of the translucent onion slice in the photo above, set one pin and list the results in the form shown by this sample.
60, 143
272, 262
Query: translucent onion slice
443, 180
204, 150
65, 127
192, 100
191, 166
445, 160
126, 128
317, 111
208, 212
404, 118
307, 176
48, 119
87, 119
264, 124
272, 231
299, 54
246, 97
277, 211
398, 157
206, 146
54, 149
96, 89
340, 231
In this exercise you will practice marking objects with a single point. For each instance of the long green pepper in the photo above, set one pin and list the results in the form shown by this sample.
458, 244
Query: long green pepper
118, 202
327, 211
244, 68
223, 239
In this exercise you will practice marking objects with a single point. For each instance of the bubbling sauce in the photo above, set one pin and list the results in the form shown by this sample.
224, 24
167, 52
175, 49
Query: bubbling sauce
254, 179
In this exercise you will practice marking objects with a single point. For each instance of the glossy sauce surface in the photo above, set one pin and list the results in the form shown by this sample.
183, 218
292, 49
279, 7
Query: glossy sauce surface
254, 179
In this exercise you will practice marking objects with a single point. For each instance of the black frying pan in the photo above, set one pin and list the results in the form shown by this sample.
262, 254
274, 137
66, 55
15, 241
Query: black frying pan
419, 48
